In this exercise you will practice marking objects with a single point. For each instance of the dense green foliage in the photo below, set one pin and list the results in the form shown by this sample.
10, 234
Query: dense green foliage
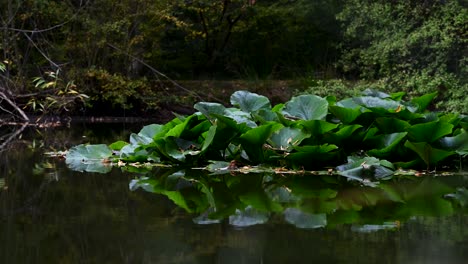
106, 47
374, 134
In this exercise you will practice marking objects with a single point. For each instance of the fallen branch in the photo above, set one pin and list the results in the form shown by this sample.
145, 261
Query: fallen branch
3, 96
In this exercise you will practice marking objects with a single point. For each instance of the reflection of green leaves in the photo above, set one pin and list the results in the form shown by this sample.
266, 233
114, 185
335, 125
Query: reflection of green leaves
365, 168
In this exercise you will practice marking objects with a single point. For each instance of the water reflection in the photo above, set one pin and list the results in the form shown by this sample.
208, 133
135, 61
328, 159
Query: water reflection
50, 214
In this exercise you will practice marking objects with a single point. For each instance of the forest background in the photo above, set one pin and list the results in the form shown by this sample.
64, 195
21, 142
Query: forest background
107, 57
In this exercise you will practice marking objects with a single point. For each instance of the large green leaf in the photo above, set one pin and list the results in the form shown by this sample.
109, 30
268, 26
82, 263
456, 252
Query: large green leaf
239, 116
429, 132
427, 153
345, 115
388, 125
90, 158
375, 93
307, 107
458, 143
250, 102
150, 131
317, 127
424, 101
252, 141
385, 144
286, 138
375, 102
208, 109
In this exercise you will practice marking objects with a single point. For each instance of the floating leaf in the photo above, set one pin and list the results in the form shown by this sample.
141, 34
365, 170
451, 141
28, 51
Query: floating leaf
249, 102
90, 158
307, 107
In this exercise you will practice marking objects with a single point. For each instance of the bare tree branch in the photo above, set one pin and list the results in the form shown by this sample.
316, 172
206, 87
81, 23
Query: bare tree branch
12, 104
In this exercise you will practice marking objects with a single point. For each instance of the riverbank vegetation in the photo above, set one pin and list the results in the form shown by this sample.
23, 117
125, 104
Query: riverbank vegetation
364, 138
106, 58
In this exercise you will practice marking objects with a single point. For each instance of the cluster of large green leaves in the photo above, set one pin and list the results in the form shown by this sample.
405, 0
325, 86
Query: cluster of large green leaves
366, 136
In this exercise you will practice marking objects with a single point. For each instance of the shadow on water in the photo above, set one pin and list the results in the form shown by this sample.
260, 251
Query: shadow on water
51, 214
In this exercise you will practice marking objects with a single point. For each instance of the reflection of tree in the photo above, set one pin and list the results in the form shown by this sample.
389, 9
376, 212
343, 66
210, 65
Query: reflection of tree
7, 138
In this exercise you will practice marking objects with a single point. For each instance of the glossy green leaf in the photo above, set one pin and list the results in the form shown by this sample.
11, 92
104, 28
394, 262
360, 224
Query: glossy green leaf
458, 143
375, 102
118, 145
250, 102
385, 144
252, 141
388, 125
429, 132
286, 138
427, 153
424, 101
317, 127
345, 115
306, 107
375, 93
208, 109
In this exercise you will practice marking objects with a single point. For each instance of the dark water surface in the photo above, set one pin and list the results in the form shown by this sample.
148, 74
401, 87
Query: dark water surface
50, 214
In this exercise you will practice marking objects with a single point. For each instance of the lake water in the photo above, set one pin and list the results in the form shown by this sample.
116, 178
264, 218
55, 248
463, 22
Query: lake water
50, 214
